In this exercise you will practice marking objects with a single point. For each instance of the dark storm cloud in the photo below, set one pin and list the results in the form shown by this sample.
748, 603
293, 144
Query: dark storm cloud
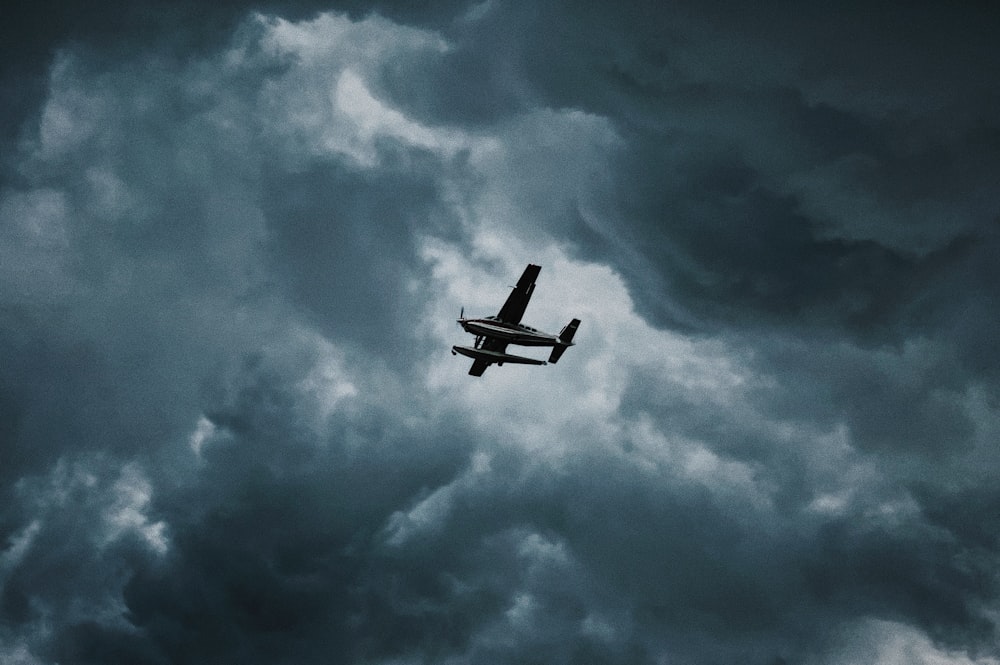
802, 182
728, 114
412, 555
778, 167
271, 538
33, 34
354, 231
219, 442
144, 278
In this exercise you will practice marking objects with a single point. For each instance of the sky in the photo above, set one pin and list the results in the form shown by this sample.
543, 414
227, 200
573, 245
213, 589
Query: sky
234, 241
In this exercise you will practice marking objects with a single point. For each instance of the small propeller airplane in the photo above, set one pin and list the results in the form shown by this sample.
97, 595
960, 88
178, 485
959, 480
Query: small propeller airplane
494, 333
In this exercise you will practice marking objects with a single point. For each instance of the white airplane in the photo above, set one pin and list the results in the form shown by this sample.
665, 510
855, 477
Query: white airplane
494, 333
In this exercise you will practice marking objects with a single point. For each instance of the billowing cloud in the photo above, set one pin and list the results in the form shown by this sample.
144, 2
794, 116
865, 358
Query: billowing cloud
231, 258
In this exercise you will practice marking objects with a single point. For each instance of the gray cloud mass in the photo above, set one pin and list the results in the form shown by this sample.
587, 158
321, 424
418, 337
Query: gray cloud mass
233, 242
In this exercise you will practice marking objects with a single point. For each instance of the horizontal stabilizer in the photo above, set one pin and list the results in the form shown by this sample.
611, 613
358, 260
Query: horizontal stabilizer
557, 352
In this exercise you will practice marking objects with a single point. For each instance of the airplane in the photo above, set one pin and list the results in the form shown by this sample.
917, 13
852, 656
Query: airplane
494, 333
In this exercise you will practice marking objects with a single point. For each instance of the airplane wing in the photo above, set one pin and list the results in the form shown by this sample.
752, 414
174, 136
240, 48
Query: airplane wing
487, 354
489, 344
478, 367
517, 301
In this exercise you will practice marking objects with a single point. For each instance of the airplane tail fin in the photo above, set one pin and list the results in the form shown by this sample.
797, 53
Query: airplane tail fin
565, 340
566, 335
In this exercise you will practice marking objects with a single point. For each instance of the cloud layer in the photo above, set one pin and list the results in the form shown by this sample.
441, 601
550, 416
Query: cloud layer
231, 256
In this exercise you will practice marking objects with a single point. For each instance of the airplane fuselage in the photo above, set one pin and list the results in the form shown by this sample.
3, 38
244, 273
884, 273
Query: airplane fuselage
495, 333
512, 333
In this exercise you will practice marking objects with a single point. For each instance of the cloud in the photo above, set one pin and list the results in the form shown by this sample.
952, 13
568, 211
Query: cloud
232, 429
886, 643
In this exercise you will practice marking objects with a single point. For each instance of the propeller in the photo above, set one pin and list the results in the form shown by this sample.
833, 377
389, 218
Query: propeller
461, 315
